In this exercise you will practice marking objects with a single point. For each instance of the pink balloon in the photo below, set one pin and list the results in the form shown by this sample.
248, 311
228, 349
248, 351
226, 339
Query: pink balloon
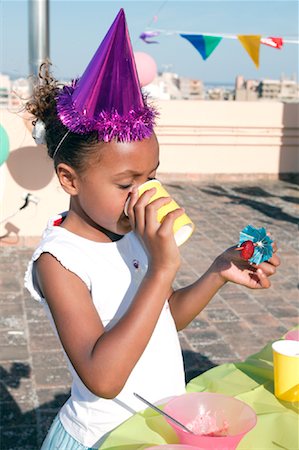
146, 68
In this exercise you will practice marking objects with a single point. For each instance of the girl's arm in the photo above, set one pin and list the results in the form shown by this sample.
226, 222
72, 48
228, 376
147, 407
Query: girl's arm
105, 359
187, 303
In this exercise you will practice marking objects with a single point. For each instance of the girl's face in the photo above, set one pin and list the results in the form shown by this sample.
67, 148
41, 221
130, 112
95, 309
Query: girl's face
105, 185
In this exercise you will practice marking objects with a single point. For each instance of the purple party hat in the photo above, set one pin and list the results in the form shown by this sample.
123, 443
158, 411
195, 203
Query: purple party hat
108, 98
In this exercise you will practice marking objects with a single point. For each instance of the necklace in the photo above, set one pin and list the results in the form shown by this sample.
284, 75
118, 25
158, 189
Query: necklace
114, 237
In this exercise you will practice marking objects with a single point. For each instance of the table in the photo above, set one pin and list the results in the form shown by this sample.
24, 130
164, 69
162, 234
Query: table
250, 381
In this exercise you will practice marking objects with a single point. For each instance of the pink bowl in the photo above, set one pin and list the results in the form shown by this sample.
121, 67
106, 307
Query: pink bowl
292, 335
207, 413
173, 447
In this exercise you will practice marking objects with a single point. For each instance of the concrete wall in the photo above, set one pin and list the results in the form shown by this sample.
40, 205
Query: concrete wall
198, 140
248, 138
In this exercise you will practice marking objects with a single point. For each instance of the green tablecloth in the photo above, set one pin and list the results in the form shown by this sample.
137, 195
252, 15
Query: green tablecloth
250, 381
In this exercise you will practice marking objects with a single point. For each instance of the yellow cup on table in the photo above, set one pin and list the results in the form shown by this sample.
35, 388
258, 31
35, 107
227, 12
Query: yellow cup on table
286, 370
183, 226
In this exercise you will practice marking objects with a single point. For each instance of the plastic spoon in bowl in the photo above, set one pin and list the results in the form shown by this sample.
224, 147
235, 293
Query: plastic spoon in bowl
160, 411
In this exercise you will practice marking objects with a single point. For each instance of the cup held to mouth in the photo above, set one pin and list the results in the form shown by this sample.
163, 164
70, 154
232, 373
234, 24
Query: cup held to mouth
183, 226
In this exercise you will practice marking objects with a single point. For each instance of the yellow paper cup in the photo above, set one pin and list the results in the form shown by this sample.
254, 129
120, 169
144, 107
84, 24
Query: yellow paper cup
286, 370
183, 226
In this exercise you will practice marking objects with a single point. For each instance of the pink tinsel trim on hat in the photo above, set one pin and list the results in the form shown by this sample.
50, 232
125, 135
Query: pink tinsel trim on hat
132, 126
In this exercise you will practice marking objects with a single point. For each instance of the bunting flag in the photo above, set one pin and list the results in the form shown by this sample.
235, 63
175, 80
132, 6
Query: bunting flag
251, 43
147, 35
205, 45
274, 42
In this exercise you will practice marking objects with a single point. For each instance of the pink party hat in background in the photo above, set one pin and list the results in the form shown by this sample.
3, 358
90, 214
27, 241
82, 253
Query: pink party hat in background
108, 97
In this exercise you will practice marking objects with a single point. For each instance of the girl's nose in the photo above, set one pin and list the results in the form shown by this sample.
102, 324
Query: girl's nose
131, 192
134, 189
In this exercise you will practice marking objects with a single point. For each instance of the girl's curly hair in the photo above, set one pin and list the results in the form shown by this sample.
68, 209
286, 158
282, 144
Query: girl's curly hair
76, 149
42, 105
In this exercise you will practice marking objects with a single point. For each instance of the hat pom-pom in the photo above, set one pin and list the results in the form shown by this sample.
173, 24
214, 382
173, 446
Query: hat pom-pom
135, 125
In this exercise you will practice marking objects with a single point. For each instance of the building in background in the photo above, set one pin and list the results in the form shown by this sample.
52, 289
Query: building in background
13, 93
170, 86
166, 86
191, 89
246, 90
219, 93
283, 90
5, 89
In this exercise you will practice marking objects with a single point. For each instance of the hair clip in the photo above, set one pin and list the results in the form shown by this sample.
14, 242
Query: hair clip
39, 132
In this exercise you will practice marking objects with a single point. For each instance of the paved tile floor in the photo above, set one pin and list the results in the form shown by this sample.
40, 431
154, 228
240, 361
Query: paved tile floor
237, 322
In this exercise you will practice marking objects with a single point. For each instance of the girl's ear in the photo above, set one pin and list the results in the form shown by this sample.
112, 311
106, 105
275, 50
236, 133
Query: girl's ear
68, 178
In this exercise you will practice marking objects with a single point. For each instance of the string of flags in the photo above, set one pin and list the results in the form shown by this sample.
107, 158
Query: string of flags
206, 43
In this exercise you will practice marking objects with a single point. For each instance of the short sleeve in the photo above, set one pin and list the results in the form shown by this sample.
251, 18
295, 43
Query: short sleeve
68, 256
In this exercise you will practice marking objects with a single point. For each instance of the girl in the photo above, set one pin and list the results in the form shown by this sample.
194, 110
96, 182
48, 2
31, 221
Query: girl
105, 279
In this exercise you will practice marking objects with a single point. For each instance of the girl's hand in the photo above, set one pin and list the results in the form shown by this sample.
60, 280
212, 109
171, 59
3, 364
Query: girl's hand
231, 267
158, 237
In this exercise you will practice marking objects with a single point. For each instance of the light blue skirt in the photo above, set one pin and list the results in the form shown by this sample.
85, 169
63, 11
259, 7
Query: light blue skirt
59, 439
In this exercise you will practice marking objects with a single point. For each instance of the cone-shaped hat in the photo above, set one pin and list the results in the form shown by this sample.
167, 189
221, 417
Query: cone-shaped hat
108, 98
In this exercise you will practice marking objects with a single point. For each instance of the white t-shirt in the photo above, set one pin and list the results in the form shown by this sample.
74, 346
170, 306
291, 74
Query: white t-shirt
112, 272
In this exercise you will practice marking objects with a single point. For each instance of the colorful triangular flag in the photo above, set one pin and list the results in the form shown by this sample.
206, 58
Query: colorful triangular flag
147, 35
205, 45
211, 43
275, 42
251, 43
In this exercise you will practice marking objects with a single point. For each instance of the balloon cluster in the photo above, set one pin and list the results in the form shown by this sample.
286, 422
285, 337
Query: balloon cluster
4, 145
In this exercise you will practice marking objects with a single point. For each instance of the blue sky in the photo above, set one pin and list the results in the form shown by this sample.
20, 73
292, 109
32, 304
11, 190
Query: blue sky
77, 28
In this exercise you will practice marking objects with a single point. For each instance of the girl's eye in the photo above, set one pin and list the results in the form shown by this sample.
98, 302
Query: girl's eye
129, 185
125, 186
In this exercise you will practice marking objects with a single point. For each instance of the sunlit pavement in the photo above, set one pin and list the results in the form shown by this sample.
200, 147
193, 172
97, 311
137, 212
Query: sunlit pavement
236, 323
